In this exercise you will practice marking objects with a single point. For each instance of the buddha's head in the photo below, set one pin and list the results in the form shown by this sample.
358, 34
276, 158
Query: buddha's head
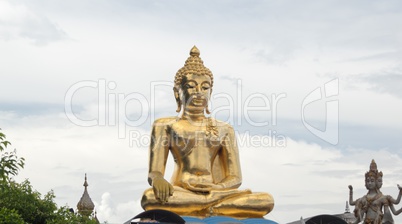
193, 84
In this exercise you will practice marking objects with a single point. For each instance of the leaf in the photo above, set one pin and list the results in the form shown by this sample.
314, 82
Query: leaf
10, 163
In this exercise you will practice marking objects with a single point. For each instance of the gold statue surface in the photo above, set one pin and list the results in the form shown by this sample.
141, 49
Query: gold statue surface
207, 170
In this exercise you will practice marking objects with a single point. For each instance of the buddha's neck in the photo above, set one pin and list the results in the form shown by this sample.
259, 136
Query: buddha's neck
194, 115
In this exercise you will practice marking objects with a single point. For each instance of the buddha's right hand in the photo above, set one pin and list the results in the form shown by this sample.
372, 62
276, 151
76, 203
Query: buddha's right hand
350, 187
162, 189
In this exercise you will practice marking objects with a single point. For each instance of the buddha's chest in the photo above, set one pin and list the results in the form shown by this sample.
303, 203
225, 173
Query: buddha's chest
193, 140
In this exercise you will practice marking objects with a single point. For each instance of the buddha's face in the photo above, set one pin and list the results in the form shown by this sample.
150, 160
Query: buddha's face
195, 91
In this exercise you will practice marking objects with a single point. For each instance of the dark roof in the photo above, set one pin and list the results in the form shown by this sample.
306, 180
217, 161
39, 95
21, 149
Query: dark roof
325, 219
162, 216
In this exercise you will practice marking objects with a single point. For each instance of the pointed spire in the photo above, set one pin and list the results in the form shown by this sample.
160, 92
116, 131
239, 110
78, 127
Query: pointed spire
85, 182
96, 218
347, 210
85, 206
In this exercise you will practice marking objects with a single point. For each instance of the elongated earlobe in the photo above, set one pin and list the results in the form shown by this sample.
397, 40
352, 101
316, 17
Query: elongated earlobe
178, 106
207, 110
209, 98
177, 97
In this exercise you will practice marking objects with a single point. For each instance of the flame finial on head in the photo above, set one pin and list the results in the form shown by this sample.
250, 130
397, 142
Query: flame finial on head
194, 51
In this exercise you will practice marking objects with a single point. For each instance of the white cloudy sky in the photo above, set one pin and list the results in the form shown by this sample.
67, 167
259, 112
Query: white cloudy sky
254, 48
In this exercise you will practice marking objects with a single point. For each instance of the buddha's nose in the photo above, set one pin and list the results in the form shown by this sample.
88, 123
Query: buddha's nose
198, 92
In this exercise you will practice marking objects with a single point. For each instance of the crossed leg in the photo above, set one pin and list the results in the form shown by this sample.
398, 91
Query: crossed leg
233, 202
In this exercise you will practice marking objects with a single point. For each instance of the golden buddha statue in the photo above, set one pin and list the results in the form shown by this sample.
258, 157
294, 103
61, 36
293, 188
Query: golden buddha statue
207, 170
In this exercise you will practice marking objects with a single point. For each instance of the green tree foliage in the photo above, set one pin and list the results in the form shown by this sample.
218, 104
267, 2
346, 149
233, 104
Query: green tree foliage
21, 204
64, 215
27, 202
10, 163
32, 208
8, 216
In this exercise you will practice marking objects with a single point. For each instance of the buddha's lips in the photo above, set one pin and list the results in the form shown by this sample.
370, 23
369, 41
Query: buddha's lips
198, 99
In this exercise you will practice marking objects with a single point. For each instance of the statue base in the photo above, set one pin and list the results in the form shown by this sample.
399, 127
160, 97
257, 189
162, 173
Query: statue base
164, 216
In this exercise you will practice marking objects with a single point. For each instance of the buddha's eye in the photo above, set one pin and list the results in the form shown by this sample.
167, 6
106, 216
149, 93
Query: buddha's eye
205, 87
189, 86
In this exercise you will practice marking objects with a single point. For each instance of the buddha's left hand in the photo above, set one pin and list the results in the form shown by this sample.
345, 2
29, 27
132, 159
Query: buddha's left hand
204, 187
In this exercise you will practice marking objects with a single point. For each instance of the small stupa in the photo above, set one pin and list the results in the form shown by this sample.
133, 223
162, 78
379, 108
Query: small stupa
85, 206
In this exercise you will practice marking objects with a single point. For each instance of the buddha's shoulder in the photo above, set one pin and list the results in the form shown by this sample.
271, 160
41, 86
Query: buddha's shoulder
165, 121
221, 124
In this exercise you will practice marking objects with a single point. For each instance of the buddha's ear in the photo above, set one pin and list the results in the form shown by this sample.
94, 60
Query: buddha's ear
177, 97
206, 108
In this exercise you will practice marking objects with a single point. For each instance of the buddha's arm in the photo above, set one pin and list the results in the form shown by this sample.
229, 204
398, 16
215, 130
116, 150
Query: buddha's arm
229, 156
159, 149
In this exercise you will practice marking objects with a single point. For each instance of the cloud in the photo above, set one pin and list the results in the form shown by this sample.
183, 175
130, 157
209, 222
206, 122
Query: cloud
19, 21
383, 80
278, 53
107, 210
388, 82
30, 108
390, 55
